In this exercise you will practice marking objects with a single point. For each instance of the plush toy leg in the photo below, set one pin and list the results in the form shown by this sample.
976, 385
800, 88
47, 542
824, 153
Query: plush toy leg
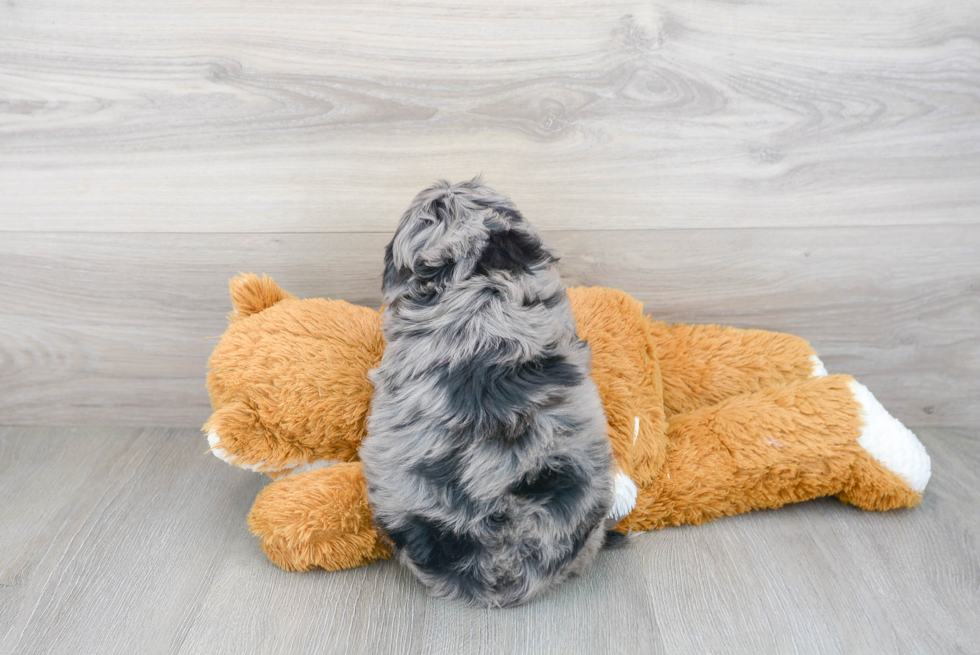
701, 365
823, 436
318, 519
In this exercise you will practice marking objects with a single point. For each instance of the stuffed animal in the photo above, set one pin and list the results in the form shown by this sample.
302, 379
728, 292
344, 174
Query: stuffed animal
704, 421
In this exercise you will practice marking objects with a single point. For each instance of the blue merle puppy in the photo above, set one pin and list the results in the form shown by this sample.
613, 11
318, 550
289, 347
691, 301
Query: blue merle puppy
487, 464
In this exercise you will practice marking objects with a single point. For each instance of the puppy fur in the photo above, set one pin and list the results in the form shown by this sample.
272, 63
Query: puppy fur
488, 464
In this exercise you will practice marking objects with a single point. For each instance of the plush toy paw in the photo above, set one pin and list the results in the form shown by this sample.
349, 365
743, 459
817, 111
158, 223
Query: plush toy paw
288, 381
318, 519
891, 443
261, 466
237, 436
214, 441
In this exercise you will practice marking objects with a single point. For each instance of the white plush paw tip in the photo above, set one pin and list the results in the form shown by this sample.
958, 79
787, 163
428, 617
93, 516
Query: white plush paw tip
624, 497
819, 370
225, 456
890, 442
220, 453
260, 467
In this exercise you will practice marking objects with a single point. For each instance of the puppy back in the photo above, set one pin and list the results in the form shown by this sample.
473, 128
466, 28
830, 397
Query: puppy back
488, 463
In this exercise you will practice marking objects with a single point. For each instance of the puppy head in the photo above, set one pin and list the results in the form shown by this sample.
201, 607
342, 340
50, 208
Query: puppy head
454, 231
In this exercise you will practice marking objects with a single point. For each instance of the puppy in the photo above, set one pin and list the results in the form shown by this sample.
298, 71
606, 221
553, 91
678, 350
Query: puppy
488, 465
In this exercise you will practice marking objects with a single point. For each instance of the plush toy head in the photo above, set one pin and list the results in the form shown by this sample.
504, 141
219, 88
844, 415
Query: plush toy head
288, 380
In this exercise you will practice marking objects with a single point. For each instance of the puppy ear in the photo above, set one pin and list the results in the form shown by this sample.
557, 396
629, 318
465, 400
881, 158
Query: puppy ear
421, 271
427, 243
395, 280
515, 249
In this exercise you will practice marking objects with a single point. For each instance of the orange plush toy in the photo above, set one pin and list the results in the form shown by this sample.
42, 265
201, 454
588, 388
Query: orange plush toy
704, 421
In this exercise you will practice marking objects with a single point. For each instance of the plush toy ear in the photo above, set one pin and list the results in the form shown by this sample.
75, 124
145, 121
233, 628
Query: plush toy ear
251, 294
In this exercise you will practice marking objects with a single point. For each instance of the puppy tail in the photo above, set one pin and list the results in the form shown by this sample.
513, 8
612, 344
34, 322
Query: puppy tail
615, 539
251, 294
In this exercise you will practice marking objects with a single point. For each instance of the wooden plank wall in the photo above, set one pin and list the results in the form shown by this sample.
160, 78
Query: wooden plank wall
789, 165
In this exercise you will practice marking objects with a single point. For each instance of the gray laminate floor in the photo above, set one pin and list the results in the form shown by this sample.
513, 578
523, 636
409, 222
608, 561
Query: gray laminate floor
134, 541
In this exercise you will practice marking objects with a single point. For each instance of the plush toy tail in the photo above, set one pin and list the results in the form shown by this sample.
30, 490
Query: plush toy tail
251, 294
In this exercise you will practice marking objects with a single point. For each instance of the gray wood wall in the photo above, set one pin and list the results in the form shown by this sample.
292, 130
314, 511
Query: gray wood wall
811, 167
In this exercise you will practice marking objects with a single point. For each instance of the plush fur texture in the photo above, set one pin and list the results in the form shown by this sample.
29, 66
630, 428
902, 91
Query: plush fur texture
487, 463
702, 421
310, 354
708, 421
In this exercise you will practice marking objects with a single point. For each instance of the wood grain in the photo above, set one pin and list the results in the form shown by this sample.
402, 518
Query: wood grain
116, 328
143, 146
789, 165
295, 116
131, 540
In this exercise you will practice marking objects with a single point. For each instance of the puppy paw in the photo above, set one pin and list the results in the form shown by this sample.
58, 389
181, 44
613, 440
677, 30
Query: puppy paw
624, 497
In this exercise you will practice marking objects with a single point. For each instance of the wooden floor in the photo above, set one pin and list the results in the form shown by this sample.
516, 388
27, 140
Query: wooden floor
809, 167
134, 541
